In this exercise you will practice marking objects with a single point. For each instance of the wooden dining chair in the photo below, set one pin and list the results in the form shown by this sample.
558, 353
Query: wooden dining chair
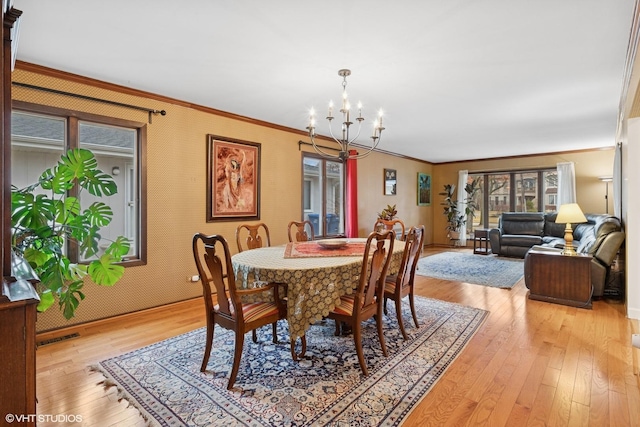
365, 302
301, 233
213, 260
400, 285
383, 224
253, 235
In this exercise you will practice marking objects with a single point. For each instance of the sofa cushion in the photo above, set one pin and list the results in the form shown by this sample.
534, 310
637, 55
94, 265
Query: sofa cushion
522, 223
594, 231
551, 228
553, 242
520, 240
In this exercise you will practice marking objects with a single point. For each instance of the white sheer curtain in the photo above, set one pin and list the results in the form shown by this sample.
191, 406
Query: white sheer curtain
617, 181
462, 203
566, 184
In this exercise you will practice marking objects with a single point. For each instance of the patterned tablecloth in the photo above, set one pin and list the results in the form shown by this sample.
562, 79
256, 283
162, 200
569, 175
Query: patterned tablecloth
314, 285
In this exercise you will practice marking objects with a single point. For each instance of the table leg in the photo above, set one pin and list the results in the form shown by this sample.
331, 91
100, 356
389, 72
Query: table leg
297, 356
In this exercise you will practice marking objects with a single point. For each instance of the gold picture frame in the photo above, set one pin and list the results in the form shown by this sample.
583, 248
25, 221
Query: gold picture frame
233, 179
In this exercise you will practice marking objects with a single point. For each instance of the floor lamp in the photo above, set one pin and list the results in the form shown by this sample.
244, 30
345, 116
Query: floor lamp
606, 180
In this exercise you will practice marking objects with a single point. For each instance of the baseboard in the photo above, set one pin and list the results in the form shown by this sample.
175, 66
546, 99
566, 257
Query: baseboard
635, 352
55, 334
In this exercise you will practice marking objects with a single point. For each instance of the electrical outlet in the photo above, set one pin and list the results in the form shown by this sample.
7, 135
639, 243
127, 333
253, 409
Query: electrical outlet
194, 278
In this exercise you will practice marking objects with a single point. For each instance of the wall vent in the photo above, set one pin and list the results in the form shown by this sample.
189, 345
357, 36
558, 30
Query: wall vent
58, 339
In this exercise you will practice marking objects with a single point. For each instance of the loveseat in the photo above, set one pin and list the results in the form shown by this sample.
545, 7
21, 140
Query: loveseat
601, 237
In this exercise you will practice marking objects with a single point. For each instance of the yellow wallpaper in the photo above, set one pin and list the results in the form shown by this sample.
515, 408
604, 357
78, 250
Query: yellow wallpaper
176, 150
371, 198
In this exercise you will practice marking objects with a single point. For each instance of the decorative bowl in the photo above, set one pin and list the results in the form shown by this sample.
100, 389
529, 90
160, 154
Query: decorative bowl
332, 243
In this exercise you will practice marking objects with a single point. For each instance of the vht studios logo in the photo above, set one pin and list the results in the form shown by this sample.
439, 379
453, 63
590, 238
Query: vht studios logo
42, 418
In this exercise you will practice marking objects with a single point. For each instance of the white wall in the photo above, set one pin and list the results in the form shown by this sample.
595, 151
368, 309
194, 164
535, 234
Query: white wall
631, 186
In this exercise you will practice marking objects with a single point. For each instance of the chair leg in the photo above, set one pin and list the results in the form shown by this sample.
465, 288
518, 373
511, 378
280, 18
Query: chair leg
275, 332
413, 310
357, 339
400, 321
254, 336
237, 354
385, 305
381, 334
207, 347
337, 333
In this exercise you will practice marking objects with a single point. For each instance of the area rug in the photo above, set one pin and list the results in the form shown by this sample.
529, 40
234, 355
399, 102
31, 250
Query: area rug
487, 270
164, 380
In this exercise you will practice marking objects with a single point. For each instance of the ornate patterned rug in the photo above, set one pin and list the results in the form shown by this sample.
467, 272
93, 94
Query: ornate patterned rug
164, 381
487, 270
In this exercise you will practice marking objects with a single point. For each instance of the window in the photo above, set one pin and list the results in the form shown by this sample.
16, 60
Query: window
323, 195
514, 191
40, 135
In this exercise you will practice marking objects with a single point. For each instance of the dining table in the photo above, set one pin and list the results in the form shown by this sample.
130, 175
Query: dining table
316, 274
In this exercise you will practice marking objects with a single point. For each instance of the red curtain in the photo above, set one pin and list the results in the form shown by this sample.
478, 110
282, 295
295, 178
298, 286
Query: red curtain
351, 206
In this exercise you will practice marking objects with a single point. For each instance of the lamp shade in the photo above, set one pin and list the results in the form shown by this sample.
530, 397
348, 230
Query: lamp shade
570, 213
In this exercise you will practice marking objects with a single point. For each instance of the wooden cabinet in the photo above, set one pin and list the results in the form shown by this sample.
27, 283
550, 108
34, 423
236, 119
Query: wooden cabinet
18, 350
18, 298
561, 279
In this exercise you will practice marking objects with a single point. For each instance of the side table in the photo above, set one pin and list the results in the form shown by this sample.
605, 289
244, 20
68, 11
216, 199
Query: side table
561, 279
481, 241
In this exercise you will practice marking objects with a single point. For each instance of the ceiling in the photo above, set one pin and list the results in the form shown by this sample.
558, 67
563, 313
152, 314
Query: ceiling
457, 79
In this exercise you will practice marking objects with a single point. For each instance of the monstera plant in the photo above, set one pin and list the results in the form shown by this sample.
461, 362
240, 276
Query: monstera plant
45, 218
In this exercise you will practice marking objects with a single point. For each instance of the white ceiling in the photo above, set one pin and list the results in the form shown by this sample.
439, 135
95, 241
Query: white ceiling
457, 79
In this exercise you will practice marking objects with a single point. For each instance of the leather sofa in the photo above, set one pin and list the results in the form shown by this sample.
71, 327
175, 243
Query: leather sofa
601, 237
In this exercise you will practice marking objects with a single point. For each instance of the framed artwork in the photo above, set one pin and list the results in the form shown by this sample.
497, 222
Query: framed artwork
424, 189
390, 182
233, 179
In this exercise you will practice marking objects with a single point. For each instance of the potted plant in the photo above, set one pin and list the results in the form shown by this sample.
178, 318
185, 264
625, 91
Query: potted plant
456, 218
388, 213
42, 224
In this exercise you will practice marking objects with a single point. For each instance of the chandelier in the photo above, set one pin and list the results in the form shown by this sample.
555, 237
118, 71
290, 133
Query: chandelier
344, 141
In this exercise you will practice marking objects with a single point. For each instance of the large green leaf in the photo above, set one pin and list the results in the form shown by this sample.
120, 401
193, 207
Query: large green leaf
98, 214
89, 243
35, 257
119, 248
99, 183
46, 300
104, 272
79, 161
31, 211
70, 298
59, 180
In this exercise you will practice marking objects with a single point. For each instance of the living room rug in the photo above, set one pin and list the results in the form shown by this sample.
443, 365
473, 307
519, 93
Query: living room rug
164, 381
487, 270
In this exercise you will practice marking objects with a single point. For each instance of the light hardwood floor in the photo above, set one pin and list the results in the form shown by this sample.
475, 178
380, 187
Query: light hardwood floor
531, 363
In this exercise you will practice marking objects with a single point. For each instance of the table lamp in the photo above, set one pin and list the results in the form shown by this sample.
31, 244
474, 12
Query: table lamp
569, 213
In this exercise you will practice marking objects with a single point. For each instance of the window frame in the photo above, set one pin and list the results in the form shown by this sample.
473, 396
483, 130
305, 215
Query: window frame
323, 191
72, 140
513, 173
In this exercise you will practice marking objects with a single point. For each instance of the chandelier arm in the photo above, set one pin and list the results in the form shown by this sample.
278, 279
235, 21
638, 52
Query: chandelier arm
369, 150
321, 152
338, 141
358, 134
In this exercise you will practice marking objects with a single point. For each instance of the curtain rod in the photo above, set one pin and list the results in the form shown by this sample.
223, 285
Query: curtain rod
90, 98
321, 146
